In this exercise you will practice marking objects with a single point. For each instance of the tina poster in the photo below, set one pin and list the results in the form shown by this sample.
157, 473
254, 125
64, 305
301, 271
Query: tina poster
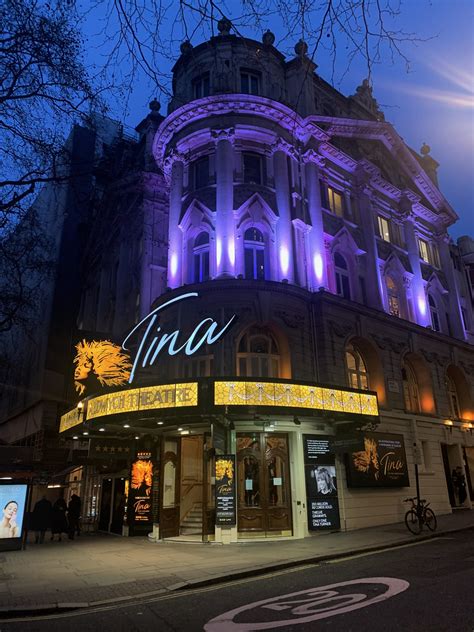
381, 463
140, 493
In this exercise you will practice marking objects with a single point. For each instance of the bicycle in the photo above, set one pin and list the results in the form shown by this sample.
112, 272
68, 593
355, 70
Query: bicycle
418, 515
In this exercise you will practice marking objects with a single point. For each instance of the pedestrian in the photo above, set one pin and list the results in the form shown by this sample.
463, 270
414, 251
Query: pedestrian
462, 492
73, 515
41, 518
59, 521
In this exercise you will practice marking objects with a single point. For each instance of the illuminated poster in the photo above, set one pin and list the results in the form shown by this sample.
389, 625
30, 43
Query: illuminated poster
225, 490
382, 462
12, 503
139, 498
321, 483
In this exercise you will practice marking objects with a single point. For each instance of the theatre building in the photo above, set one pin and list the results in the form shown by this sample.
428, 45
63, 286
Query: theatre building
272, 326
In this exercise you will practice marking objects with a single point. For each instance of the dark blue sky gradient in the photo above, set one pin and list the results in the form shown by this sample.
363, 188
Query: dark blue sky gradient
433, 103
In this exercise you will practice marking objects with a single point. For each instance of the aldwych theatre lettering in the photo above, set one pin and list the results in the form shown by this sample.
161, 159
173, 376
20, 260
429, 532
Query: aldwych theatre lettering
154, 340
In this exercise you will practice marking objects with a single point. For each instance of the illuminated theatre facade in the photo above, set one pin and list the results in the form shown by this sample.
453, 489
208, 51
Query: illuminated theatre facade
284, 295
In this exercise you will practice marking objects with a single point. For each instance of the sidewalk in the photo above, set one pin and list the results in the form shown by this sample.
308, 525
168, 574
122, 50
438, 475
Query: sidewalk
94, 569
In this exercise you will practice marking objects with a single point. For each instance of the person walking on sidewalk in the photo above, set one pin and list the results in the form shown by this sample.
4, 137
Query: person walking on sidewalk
41, 518
59, 521
73, 515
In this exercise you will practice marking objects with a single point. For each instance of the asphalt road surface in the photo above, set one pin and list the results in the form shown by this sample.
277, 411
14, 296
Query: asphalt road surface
427, 586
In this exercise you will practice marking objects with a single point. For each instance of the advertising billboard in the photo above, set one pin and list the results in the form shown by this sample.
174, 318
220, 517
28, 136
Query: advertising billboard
381, 463
225, 490
321, 483
12, 503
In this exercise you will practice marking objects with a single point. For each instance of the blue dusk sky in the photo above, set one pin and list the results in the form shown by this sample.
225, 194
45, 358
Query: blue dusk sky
433, 102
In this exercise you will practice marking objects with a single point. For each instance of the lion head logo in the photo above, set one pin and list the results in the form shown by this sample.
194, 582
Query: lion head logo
100, 361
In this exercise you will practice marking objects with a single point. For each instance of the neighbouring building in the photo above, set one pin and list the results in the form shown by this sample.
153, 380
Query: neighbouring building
265, 308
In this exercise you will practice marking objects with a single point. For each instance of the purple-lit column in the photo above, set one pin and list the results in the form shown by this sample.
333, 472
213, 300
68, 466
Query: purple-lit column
455, 314
420, 303
318, 266
225, 227
175, 235
284, 229
367, 217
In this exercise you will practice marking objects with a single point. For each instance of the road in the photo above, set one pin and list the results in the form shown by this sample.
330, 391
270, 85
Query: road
427, 586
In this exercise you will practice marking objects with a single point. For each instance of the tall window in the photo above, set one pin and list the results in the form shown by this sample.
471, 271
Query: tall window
254, 254
424, 250
252, 168
249, 82
201, 86
410, 389
435, 323
343, 287
393, 297
200, 170
335, 202
453, 397
356, 369
384, 228
258, 355
201, 257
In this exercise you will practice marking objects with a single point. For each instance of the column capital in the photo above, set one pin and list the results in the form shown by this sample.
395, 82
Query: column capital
174, 156
310, 156
226, 133
282, 145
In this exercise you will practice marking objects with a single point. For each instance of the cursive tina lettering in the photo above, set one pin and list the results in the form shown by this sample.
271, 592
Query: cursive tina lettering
154, 340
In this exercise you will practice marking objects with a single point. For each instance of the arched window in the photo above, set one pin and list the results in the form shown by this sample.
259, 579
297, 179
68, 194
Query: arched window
435, 322
201, 257
410, 388
453, 397
393, 297
356, 369
343, 287
258, 355
254, 254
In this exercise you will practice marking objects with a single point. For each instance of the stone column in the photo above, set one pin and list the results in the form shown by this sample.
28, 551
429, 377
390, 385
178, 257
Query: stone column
318, 263
175, 235
420, 303
225, 227
454, 310
284, 229
372, 277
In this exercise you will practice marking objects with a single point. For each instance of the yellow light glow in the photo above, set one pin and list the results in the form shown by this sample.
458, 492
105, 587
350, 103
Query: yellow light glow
69, 420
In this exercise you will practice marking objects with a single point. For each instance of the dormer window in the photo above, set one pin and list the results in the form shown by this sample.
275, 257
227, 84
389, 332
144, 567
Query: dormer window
249, 82
201, 86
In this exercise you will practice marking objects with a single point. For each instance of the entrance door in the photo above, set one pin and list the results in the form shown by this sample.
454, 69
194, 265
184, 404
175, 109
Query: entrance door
105, 504
191, 480
264, 498
169, 513
447, 472
118, 506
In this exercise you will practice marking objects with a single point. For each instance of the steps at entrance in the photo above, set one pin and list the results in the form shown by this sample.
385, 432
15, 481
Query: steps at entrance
192, 523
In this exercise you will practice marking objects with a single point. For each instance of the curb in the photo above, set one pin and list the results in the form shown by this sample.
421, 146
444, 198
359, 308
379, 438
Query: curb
17, 612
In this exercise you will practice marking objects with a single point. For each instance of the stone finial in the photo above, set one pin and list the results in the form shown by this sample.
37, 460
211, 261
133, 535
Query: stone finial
223, 26
425, 149
268, 38
301, 48
155, 106
364, 96
185, 47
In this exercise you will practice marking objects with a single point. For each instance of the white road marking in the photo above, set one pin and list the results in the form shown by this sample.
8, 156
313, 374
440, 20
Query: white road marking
309, 605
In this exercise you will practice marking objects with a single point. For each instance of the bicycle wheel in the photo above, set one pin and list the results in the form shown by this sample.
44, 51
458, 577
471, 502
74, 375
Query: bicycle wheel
430, 519
412, 522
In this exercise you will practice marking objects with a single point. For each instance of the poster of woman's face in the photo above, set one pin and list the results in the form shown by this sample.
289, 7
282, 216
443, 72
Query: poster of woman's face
321, 481
12, 506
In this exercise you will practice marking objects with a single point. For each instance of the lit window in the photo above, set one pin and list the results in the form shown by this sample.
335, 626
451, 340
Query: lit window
335, 202
343, 287
258, 355
424, 250
249, 83
252, 168
356, 369
435, 324
384, 228
201, 86
200, 169
410, 389
254, 254
201, 258
393, 297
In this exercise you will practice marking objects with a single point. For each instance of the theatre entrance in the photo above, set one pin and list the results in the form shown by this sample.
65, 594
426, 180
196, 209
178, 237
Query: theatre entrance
263, 484
183, 493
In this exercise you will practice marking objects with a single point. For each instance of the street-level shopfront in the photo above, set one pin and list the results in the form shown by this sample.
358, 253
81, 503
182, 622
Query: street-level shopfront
230, 459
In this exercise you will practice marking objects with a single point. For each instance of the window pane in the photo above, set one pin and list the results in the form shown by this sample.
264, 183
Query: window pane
242, 367
254, 84
275, 369
244, 83
255, 367
260, 264
248, 255
197, 268
251, 482
264, 367
201, 172
350, 360
205, 265
252, 169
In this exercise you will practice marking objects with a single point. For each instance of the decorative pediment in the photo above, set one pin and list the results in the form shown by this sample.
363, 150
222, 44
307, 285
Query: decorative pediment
345, 242
393, 266
256, 209
434, 284
195, 216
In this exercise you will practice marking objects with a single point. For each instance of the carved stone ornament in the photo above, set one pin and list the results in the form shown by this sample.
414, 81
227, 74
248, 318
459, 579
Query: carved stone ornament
311, 156
227, 133
341, 330
384, 343
282, 145
293, 321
